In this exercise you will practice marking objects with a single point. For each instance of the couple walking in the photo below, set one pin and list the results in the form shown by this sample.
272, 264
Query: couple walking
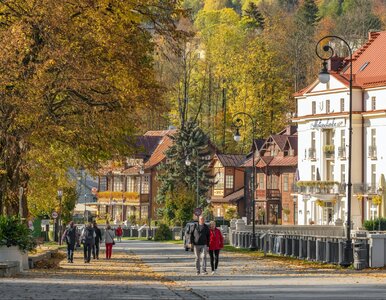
204, 238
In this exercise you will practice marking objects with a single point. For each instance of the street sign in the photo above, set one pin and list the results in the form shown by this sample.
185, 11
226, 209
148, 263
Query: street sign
45, 222
54, 214
197, 211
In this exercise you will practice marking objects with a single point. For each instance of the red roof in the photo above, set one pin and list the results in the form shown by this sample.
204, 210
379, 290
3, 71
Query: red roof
159, 153
369, 65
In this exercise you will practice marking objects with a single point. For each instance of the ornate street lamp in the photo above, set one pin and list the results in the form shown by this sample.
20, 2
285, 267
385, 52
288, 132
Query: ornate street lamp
324, 77
60, 195
237, 123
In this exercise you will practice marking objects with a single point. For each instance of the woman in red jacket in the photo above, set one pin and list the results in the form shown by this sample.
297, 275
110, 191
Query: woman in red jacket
216, 242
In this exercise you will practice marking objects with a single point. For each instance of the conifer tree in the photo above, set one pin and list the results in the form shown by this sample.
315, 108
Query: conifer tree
254, 13
178, 181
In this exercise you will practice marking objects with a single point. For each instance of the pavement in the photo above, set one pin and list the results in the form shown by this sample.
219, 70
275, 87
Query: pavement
152, 270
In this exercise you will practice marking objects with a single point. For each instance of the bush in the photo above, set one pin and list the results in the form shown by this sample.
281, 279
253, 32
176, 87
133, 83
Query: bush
15, 233
372, 225
163, 233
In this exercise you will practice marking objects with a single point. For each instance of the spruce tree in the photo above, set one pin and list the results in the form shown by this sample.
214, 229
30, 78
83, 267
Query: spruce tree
253, 12
178, 181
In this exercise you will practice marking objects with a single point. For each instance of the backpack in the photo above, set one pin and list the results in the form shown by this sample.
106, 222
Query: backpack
89, 235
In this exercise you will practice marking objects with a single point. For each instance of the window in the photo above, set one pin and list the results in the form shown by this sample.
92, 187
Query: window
118, 184
373, 103
260, 184
285, 182
313, 107
330, 170
341, 104
327, 106
145, 184
313, 173
342, 173
229, 182
373, 137
373, 176
343, 138
132, 184
272, 183
219, 179
102, 183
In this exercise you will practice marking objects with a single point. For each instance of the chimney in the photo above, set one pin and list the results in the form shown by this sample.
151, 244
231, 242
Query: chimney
335, 63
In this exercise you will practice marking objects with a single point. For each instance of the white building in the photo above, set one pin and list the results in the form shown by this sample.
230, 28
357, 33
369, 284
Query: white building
323, 121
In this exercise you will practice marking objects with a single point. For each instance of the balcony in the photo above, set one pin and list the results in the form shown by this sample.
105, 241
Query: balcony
365, 188
372, 152
342, 152
329, 151
311, 153
319, 187
268, 194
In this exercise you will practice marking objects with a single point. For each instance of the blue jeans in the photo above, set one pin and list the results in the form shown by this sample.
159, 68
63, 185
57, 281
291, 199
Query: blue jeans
70, 252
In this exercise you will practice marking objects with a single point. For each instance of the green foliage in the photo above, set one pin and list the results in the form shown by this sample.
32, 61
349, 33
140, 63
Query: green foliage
163, 233
68, 203
15, 233
376, 224
308, 13
230, 213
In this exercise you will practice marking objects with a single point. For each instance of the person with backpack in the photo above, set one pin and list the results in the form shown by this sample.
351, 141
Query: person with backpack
109, 241
98, 241
200, 241
88, 241
70, 237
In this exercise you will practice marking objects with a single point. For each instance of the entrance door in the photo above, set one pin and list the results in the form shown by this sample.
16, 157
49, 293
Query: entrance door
328, 213
273, 213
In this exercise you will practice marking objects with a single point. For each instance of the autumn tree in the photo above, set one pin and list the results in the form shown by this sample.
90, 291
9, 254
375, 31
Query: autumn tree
75, 78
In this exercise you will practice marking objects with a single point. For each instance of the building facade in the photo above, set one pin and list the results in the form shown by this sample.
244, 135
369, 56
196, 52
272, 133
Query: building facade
323, 121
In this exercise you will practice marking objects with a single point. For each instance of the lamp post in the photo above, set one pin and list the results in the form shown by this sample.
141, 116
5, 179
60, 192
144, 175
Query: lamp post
141, 172
237, 123
60, 195
188, 162
324, 77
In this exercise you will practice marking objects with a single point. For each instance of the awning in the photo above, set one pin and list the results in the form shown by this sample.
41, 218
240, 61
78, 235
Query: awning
231, 198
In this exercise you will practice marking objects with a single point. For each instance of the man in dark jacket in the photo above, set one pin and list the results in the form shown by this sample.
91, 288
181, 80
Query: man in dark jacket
200, 242
98, 239
88, 241
70, 237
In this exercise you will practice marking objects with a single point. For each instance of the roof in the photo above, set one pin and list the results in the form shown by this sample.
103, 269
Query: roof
235, 196
368, 65
280, 140
279, 161
160, 132
159, 153
145, 145
231, 160
293, 141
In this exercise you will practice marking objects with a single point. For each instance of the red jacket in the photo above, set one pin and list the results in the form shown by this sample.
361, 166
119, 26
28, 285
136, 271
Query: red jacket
216, 241
118, 231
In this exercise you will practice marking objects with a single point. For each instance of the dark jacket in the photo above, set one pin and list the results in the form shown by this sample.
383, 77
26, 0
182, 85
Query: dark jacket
98, 235
70, 236
200, 237
88, 236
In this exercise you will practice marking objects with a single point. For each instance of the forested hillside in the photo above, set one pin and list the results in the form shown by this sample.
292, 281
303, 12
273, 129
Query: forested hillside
251, 55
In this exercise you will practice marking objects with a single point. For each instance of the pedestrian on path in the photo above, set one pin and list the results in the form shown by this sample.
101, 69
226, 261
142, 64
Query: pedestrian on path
109, 241
200, 241
216, 243
88, 241
70, 237
119, 233
98, 240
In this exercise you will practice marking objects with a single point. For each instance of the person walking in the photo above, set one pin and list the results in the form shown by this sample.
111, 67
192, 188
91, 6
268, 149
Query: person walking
200, 241
216, 243
88, 241
98, 240
119, 233
70, 237
109, 241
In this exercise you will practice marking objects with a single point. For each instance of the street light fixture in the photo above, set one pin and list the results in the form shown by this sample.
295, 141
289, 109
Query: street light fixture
60, 195
237, 123
324, 77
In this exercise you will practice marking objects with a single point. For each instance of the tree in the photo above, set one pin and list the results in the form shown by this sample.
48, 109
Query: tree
255, 15
75, 76
178, 182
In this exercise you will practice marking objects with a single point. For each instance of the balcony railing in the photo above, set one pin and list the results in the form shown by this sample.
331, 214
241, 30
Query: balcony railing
365, 188
319, 187
312, 153
268, 194
372, 152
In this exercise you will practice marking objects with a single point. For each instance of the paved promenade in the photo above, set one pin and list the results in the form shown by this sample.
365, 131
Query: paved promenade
149, 270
